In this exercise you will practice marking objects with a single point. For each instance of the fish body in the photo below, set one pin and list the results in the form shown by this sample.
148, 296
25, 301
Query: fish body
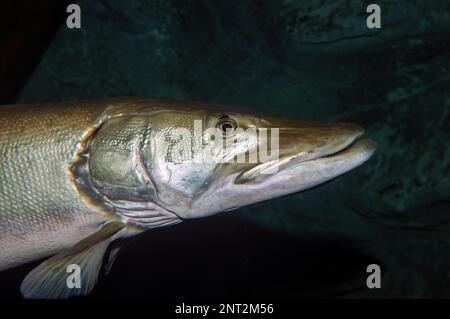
75, 177
41, 213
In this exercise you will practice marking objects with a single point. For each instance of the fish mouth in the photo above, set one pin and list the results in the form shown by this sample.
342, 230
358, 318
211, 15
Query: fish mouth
352, 150
358, 146
346, 149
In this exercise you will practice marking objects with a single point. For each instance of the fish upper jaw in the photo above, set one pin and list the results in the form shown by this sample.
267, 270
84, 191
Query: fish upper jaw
343, 145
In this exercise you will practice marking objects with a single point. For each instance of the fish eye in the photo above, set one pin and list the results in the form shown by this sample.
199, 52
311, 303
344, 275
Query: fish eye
226, 125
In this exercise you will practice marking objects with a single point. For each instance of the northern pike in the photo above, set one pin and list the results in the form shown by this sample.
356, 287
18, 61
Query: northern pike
75, 177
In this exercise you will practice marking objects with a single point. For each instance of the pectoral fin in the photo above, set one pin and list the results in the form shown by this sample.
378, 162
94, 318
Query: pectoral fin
144, 215
50, 279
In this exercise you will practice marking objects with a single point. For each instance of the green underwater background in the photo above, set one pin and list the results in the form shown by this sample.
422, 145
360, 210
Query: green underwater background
313, 60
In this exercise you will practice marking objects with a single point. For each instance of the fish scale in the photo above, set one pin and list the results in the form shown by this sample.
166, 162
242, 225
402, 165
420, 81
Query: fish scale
40, 212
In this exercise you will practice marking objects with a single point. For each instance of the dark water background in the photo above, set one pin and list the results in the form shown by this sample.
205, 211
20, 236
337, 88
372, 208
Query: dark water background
314, 60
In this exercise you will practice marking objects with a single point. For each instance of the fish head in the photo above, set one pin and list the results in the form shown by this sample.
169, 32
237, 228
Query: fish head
202, 162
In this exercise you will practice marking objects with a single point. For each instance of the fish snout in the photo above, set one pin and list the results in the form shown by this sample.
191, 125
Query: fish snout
318, 139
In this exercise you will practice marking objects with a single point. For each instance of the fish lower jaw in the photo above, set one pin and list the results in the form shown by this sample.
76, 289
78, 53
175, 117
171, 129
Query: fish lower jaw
344, 159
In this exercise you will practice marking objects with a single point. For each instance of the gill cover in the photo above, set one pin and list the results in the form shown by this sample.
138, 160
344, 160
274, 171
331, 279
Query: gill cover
111, 172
